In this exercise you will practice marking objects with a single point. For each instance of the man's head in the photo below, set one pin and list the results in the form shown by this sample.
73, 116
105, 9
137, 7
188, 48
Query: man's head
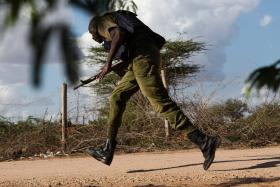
92, 28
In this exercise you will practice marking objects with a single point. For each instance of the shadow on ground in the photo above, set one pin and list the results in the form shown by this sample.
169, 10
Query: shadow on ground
151, 185
268, 164
247, 180
159, 169
233, 182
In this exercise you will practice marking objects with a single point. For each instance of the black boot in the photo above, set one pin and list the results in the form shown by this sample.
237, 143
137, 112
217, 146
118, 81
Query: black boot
207, 144
106, 154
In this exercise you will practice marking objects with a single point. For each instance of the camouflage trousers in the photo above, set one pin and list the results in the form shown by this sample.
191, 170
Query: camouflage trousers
144, 74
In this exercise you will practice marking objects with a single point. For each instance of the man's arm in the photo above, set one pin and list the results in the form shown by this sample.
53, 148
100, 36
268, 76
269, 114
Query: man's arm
120, 69
117, 68
117, 37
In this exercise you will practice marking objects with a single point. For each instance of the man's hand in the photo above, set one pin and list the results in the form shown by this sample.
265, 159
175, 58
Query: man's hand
105, 69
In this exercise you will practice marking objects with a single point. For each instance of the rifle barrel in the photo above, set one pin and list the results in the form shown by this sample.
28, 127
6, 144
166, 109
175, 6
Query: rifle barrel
84, 82
121, 65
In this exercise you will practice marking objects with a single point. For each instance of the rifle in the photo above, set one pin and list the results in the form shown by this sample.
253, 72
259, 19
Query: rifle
119, 68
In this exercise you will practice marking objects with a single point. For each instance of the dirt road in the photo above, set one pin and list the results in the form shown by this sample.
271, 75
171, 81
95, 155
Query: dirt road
249, 167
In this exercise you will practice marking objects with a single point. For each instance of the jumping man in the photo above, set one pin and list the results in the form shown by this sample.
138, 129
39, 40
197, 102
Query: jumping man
130, 40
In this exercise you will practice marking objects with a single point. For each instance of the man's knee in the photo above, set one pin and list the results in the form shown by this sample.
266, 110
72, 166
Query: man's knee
114, 98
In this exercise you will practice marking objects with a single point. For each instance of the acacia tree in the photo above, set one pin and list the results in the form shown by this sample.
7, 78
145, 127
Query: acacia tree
175, 55
174, 60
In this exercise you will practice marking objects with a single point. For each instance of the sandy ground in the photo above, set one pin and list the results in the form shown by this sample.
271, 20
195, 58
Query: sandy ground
248, 167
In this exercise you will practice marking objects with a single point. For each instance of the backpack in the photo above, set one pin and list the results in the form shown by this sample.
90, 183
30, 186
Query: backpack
129, 22
131, 26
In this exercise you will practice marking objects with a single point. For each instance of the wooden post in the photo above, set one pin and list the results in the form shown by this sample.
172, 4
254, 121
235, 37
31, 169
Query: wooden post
63, 116
78, 107
166, 123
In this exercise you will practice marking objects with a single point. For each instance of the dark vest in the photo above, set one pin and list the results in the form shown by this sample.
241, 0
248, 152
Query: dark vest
131, 26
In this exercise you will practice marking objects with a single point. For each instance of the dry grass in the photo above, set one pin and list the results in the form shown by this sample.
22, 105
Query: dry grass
143, 130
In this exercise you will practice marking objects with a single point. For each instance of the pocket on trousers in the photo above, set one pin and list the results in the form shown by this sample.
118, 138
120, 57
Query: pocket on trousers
142, 65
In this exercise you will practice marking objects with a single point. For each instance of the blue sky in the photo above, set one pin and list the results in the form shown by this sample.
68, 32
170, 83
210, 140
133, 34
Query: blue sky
254, 46
238, 45
80, 22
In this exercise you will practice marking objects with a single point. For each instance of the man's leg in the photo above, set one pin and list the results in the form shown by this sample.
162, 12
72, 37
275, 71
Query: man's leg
147, 74
119, 97
146, 70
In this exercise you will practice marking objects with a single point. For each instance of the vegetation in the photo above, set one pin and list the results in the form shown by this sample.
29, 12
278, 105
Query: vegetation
268, 76
174, 62
143, 130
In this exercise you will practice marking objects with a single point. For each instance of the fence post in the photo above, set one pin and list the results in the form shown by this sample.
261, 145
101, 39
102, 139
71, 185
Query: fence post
63, 116
166, 123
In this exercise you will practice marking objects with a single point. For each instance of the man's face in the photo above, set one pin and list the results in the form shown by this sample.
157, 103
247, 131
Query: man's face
95, 36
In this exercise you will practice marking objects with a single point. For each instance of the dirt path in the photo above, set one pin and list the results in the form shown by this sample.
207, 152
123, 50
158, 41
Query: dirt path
249, 167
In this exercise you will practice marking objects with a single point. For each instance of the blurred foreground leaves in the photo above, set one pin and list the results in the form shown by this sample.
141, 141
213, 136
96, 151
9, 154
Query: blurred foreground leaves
41, 34
268, 76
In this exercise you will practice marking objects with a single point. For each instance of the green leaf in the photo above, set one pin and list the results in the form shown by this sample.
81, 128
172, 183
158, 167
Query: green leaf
267, 76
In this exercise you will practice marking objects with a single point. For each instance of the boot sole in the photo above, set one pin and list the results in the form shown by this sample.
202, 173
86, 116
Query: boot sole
98, 159
216, 144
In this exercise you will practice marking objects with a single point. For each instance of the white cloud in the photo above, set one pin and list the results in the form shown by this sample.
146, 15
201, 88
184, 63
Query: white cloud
213, 22
263, 96
14, 104
14, 74
17, 98
85, 41
6, 92
60, 15
15, 46
16, 51
265, 20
